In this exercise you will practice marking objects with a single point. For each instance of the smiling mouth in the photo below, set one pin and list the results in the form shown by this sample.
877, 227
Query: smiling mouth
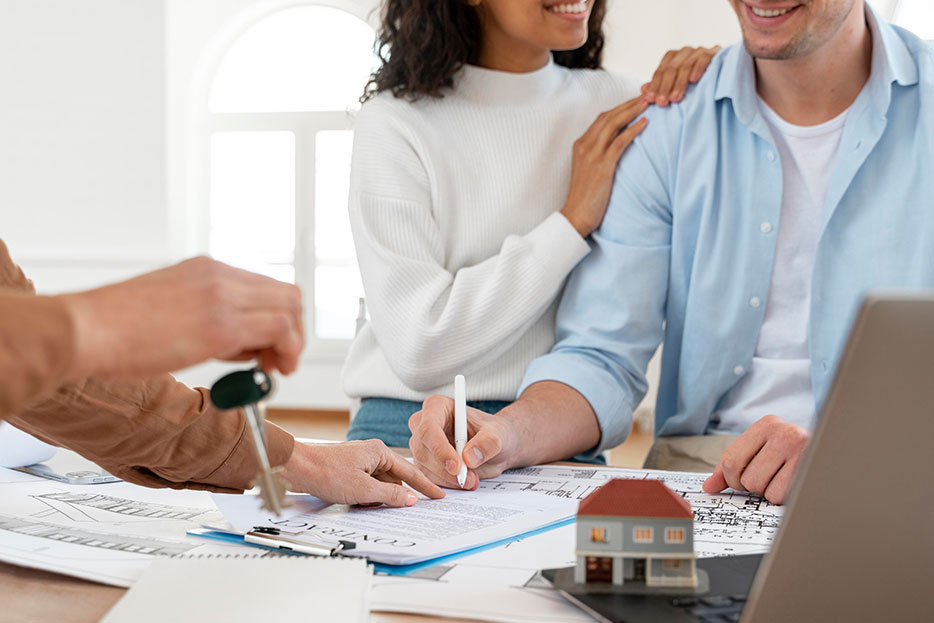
771, 12
569, 7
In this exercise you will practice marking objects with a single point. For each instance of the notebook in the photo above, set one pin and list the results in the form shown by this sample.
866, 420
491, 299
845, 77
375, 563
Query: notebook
234, 590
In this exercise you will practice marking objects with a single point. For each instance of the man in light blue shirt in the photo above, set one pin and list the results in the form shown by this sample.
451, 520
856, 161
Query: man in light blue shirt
711, 244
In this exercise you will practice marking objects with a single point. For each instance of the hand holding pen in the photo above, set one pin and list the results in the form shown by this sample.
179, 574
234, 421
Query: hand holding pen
490, 443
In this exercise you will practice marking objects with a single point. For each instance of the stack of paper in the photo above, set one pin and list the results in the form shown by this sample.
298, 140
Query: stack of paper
247, 590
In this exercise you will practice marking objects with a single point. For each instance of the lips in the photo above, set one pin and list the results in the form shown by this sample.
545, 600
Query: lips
568, 7
769, 16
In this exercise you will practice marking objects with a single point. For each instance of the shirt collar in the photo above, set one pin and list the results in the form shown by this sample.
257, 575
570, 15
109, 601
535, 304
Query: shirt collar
891, 62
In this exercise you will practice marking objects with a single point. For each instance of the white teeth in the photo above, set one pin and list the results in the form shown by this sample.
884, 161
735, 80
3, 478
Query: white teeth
577, 7
768, 13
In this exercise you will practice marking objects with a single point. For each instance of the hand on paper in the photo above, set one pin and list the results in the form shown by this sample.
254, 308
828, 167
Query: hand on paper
197, 310
489, 451
677, 69
356, 472
762, 461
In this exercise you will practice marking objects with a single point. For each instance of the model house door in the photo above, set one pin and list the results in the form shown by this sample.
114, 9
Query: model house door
599, 569
638, 569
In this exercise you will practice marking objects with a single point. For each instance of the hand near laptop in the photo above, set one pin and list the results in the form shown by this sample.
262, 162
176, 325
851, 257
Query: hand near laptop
356, 472
762, 460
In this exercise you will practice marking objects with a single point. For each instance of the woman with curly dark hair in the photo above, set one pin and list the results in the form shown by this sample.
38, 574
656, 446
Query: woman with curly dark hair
475, 183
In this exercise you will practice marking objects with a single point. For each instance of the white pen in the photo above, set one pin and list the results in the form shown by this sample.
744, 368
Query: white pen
460, 425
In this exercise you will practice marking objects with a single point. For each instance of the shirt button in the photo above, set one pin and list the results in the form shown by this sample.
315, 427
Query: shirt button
755, 302
739, 370
858, 145
771, 156
823, 365
765, 227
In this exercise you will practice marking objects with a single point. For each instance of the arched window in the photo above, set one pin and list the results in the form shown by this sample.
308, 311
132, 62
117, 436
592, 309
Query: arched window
280, 121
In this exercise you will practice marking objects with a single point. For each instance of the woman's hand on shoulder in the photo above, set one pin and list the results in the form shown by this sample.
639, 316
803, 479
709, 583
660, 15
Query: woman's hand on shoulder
594, 160
677, 69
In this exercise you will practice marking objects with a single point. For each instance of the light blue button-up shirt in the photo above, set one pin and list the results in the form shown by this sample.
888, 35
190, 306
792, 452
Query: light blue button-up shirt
688, 241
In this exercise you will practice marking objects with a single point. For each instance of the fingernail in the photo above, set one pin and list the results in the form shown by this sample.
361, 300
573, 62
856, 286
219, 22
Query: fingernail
411, 499
478, 456
451, 467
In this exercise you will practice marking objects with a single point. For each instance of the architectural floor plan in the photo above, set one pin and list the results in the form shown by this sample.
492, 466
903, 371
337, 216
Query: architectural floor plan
503, 584
104, 532
726, 523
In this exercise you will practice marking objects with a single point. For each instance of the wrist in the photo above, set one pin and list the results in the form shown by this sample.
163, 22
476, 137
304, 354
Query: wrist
578, 222
516, 449
296, 467
84, 335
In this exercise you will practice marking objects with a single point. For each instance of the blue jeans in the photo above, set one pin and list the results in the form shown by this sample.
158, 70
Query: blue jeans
388, 419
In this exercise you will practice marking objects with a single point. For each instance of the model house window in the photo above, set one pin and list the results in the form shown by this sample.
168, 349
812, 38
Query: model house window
674, 535
673, 564
280, 133
643, 534
599, 535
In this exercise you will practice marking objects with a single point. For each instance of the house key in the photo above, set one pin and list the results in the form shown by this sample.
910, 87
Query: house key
249, 389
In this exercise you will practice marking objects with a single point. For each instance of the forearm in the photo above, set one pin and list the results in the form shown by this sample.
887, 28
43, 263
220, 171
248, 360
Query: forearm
36, 348
434, 323
551, 422
156, 432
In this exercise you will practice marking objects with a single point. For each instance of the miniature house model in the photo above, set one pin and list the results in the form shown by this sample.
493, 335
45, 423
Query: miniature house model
635, 531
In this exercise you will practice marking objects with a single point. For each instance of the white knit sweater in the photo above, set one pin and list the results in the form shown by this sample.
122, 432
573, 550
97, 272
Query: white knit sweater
454, 208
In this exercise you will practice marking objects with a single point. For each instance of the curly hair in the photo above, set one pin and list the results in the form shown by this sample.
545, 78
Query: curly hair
421, 44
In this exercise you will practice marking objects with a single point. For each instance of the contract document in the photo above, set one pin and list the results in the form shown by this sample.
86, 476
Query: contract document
463, 520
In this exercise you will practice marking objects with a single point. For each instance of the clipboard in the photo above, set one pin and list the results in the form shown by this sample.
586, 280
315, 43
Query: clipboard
265, 538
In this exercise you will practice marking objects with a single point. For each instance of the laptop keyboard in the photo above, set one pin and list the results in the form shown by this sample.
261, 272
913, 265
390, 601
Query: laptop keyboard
713, 608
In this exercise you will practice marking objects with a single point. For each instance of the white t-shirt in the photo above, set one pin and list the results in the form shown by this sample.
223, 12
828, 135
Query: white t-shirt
779, 379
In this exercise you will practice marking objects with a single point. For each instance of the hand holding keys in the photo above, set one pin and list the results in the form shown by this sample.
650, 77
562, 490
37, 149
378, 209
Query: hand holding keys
249, 389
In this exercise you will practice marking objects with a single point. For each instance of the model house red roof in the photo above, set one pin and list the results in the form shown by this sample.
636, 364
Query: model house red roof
622, 497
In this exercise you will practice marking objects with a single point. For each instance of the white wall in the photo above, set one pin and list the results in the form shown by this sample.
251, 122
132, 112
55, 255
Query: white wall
639, 32
82, 153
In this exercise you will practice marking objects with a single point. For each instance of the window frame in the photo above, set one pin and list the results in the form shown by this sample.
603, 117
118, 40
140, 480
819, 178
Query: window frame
304, 125
643, 534
671, 540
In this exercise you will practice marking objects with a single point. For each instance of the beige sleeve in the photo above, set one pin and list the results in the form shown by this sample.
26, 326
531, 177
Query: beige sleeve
155, 432
36, 339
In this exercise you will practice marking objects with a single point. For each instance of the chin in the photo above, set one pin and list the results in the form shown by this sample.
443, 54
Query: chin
772, 50
566, 44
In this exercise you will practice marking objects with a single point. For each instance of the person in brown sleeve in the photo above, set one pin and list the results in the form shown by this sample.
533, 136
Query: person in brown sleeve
87, 371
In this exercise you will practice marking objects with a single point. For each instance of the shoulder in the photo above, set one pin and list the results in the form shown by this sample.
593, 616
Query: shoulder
603, 84
699, 106
386, 109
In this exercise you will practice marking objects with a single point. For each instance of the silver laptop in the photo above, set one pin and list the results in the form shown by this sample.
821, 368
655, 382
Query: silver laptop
857, 540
